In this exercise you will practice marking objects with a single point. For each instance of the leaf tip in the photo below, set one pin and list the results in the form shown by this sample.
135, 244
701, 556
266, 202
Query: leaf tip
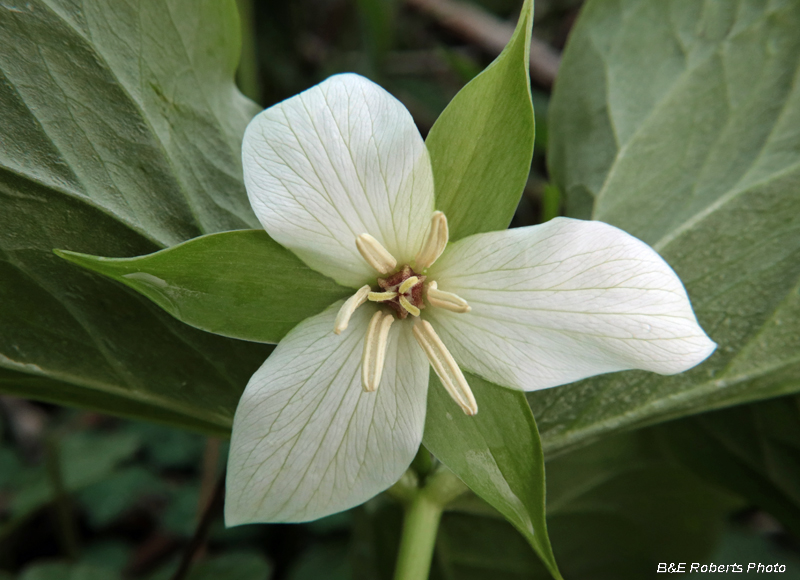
84, 260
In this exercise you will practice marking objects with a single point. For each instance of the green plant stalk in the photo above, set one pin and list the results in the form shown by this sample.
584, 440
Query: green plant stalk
421, 523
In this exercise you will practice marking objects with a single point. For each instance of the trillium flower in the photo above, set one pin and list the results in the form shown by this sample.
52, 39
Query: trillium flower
340, 176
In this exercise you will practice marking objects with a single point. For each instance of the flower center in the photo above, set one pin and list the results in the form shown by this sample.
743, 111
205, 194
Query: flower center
402, 292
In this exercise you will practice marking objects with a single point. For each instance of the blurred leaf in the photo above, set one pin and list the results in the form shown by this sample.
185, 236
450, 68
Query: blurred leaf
167, 448
340, 522
110, 554
232, 566
375, 539
58, 571
746, 546
474, 547
497, 453
239, 284
121, 135
378, 26
541, 107
85, 458
327, 561
617, 497
677, 122
482, 143
752, 450
11, 468
180, 517
108, 499
235, 565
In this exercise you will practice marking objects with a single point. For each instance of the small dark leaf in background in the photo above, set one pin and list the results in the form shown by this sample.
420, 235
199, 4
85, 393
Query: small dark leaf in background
752, 450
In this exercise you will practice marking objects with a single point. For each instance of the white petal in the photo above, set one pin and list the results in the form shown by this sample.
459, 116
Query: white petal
341, 159
562, 301
307, 440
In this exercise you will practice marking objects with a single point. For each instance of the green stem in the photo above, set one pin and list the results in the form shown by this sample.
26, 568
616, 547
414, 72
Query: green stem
419, 538
421, 523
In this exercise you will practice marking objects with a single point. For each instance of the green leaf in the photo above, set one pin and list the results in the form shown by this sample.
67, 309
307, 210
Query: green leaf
677, 122
59, 571
329, 561
619, 496
753, 546
121, 135
497, 453
85, 459
235, 565
239, 284
106, 500
752, 450
232, 566
481, 145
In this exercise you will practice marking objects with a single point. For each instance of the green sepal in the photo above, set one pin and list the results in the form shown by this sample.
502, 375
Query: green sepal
482, 143
240, 284
497, 453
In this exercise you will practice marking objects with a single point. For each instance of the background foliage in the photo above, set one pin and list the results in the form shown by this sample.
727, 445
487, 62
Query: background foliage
674, 120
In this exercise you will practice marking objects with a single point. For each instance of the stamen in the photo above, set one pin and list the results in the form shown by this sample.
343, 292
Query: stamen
349, 306
445, 366
434, 243
375, 351
375, 254
382, 296
408, 284
446, 300
412, 310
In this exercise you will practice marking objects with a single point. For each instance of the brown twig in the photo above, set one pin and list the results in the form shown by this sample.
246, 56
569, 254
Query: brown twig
489, 32
200, 536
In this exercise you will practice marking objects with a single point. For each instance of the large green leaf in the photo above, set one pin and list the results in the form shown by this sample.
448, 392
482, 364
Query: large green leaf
121, 135
615, 509
240, 284
497, 453
752, 450
677, 122
481, 145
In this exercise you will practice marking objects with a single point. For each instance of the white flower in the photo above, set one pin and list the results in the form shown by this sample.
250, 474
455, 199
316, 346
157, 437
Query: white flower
340, 176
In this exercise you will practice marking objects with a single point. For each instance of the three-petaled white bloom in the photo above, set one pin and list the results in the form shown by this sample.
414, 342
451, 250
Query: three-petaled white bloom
340, 176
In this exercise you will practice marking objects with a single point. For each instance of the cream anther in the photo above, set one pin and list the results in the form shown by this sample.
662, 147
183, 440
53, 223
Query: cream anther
349, 306
382, 296
410, 308
445, 366
407, 285
374, 354
434, 244
375, 254
446, 300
